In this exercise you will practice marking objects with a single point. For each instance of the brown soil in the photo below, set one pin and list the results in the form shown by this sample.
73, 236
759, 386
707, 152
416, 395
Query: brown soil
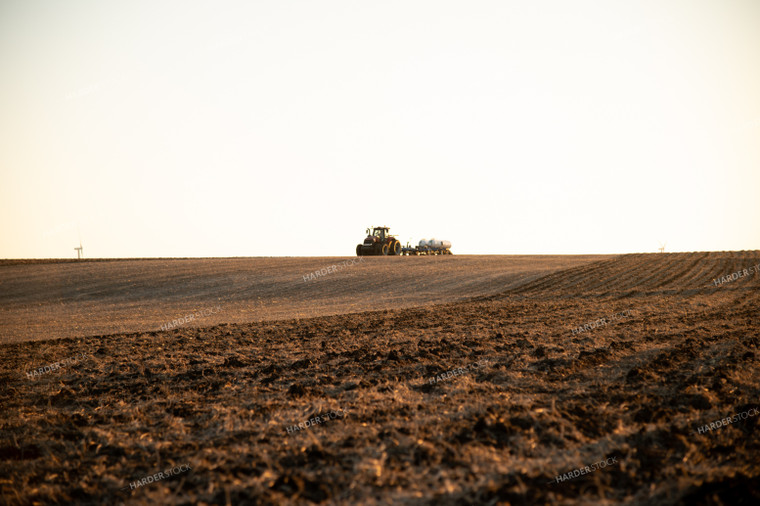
530, 399
50, 299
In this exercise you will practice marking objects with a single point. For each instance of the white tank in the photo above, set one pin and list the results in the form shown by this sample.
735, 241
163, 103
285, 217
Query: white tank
439, 244
423, 243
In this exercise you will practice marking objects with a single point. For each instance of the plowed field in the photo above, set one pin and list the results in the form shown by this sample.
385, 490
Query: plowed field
46, 299
560, 380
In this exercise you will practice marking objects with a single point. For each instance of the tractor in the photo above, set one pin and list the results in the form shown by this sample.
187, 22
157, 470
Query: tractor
379, 242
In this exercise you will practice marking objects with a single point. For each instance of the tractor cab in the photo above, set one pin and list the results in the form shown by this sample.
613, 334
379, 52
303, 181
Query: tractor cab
377, 234
379, 242
380, 233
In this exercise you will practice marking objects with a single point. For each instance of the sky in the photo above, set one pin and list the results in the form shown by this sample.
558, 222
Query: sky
197, 129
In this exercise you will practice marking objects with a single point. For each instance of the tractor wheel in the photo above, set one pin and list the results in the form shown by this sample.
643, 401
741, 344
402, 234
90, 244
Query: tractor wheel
396, 248
384, 249
358, 250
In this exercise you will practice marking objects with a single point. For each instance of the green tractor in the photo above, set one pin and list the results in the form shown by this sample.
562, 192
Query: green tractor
379, 242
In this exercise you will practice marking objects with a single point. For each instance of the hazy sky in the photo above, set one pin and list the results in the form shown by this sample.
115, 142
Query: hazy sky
287, 128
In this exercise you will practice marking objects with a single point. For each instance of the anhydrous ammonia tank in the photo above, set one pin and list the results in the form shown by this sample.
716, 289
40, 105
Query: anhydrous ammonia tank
423, 243
439, 244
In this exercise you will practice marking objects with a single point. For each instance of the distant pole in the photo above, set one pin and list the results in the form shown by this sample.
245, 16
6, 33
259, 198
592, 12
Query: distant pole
80, 252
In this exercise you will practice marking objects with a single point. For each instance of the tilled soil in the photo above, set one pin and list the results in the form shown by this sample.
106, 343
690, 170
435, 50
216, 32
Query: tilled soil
52, 299
502, 399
